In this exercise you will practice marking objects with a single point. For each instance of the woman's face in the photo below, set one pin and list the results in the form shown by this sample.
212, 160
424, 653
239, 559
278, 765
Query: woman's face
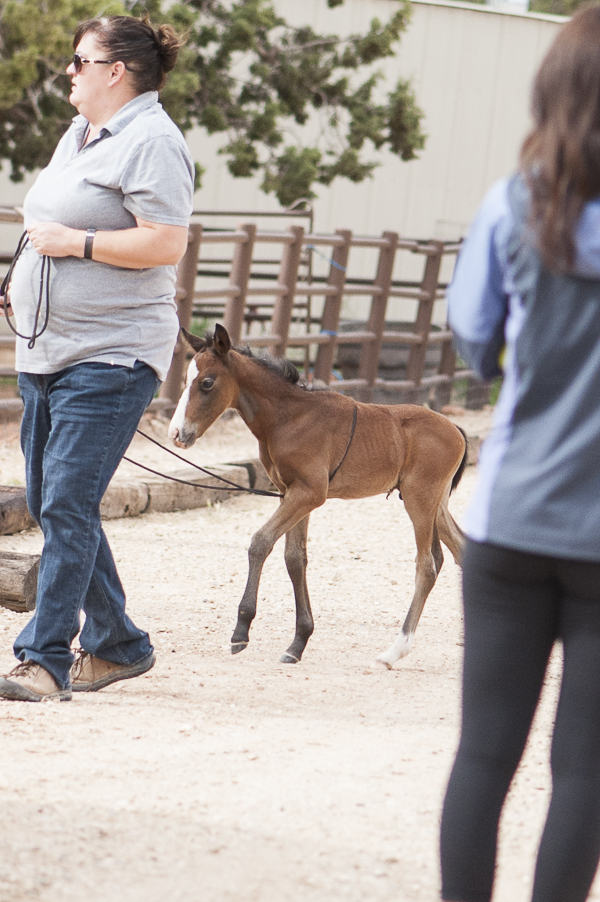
90, 87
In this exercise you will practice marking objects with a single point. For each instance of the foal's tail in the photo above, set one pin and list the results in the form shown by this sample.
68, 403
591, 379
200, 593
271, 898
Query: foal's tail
461, 469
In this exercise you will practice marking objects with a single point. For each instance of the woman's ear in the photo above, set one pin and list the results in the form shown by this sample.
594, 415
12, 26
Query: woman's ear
118, 72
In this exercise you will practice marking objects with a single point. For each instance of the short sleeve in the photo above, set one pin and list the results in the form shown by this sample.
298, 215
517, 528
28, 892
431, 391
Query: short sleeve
158, 181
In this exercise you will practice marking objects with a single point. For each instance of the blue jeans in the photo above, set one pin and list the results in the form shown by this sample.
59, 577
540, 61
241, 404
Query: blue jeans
77, 424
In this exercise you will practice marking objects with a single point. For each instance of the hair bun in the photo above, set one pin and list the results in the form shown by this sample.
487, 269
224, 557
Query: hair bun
168, 43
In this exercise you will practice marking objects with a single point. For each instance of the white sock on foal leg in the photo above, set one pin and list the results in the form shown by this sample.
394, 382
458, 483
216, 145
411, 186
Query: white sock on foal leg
399, 649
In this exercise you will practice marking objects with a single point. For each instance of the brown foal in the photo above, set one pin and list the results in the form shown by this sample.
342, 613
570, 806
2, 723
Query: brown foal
317, 445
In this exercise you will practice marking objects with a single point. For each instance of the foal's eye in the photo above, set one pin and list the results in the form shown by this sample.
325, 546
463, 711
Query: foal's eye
207, 384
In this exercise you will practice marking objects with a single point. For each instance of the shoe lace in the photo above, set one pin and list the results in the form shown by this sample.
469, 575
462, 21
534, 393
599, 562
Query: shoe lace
23, 668
78, 663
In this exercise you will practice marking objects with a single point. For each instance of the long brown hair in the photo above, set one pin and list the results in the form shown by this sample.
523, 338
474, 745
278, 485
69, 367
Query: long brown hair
560, 158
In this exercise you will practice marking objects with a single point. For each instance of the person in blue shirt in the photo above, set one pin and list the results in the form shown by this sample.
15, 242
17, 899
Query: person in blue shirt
527, 291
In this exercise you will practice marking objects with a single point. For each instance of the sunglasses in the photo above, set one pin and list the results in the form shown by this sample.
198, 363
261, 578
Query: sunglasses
79, 62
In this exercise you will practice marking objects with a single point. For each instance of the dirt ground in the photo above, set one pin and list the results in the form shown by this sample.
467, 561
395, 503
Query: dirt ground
219, 777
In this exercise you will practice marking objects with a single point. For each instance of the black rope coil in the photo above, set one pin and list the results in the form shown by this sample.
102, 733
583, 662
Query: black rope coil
44, 293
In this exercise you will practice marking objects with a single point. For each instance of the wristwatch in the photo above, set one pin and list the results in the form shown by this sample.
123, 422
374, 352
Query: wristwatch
89, 241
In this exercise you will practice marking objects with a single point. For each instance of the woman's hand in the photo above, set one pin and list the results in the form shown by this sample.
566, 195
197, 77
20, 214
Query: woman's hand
55, 240
9, 309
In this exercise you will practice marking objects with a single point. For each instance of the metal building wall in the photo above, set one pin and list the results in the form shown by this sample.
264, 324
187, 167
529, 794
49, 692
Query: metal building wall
472, 68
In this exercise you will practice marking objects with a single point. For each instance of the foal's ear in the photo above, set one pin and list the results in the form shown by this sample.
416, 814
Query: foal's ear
194, 341
221, 341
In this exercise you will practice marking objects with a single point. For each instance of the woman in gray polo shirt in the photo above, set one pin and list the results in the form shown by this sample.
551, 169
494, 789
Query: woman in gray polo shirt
109, 216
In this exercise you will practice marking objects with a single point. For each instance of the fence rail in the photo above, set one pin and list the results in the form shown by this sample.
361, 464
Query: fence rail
292, 308
282, 303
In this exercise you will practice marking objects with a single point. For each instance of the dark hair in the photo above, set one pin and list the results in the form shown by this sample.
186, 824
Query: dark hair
149, 53
560, 158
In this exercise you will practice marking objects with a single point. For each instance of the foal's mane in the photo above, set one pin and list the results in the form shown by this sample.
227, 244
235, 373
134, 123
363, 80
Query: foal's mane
280, 366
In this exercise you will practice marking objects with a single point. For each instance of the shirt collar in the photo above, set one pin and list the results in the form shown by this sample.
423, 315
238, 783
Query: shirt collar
121, 119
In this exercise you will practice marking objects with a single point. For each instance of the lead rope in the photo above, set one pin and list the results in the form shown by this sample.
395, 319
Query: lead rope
43, 292
229, 487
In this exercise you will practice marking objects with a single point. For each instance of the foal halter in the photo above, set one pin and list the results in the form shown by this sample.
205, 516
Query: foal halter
44, 292
354, 414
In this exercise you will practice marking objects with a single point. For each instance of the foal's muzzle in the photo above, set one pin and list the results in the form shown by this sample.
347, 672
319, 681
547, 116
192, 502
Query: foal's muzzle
183, 438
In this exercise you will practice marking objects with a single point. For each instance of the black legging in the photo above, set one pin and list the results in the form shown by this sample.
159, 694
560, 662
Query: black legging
516, 606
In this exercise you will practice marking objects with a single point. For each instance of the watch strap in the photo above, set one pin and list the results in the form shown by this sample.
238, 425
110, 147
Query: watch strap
89, 242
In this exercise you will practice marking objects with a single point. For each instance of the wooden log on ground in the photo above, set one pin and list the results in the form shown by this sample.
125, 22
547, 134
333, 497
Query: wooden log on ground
11, 410
257, 475
166, 496
18, 580
14, 514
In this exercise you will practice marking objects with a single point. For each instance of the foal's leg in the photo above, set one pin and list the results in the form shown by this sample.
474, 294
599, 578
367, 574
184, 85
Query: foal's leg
436, 550
259, 550
295, 561
294, 507
422, 512
450, 532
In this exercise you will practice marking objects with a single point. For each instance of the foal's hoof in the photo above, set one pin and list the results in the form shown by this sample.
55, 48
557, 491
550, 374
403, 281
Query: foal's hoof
381, 660
287, 658
237, 647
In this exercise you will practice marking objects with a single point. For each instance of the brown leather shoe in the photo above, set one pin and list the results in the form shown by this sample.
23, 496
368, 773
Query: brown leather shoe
30, 682
88, 673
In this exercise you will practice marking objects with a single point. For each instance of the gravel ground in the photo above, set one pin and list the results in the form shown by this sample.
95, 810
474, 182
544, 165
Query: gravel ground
218, 777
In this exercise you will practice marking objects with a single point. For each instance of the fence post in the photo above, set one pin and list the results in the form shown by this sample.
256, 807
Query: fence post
185, 287
288, 276
333, 302
447, 367
416, 357
235, 307
370, 353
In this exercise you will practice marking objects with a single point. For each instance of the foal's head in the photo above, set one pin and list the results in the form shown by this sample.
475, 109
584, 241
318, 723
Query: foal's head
210, 388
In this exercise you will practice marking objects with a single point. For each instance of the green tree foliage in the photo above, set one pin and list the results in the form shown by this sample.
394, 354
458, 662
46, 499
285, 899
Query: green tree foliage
35, 45
295, 107
551, 7
556, 7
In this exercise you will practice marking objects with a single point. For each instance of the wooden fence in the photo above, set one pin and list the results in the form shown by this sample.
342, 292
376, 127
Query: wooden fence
278, 303
283, 306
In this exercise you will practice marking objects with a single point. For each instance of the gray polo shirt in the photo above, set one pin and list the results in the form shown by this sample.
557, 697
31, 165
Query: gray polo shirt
139, 165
